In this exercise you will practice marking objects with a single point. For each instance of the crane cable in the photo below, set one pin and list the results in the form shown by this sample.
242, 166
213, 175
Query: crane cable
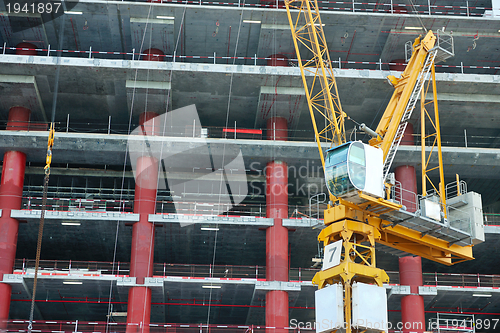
48, 161
418, 15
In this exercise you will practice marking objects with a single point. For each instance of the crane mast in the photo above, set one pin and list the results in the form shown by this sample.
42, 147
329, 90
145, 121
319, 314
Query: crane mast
362, 210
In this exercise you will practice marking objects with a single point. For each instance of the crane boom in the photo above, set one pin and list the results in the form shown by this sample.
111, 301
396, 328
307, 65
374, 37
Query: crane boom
407, 90
321, 92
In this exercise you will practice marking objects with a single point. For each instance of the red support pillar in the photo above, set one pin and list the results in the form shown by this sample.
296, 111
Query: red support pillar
26, 49
412, 306
407, 176
277, 60
277, 235
11, 195
410, 268
153, 54
141, 261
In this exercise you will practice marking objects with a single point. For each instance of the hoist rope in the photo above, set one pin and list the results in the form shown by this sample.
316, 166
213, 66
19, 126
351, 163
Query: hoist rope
40, 227
48, 161
418, 15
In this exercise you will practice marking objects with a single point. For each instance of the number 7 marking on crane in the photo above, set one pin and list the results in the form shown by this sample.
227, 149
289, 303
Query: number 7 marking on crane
332, 250
332, 255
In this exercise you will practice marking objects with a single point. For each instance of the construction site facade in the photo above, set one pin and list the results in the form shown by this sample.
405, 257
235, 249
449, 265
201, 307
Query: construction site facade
186, 192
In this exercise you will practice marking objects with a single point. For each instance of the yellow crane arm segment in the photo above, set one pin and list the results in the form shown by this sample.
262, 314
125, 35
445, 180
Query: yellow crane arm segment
317, 72
404, 87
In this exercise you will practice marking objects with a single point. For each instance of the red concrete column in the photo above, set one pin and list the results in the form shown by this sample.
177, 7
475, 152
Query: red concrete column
277, 235
407, 176
141, 261
410, 268
277, 60
412, 306
26, 49
400, 67
153, 54
11, 195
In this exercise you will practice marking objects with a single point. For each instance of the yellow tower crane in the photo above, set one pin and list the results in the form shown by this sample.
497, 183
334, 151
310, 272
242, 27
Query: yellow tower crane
364, 206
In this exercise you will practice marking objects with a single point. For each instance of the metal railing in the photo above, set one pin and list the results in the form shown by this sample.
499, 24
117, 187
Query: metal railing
412, 201
453, 279
317, 205
396, 7
163, 206
405, 197
116, 200
491, 219
26, 266
105, 199
248, 60
239, 132
453, 322
122, 327
455, 189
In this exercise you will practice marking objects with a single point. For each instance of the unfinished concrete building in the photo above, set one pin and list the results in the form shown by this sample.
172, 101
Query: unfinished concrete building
218, 231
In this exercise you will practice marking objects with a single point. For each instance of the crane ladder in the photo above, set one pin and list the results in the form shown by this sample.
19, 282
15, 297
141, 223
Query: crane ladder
415, 95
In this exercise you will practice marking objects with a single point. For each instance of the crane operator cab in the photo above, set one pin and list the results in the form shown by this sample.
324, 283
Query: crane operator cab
352, 167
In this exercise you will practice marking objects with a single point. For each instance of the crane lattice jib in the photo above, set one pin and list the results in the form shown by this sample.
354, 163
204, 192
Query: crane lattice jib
321, 91
407, 91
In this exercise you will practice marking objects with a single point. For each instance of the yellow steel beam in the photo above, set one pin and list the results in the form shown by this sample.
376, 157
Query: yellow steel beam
356, 265
349, 271
432, 131
321, 91
398, 237
426, 246
334, 231
391, 118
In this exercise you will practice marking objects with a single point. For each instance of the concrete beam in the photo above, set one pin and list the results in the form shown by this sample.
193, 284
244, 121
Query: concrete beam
285, 102
30, 94
467, 162
211, 220
74, 216
475, 98
128, 281
56, 276
277, 285
103, 149
151, 20
282, 91
491, 229
131, 84
397, 292
208, 280
302, 223
131, 66
275, 26
468, 289
427, 291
